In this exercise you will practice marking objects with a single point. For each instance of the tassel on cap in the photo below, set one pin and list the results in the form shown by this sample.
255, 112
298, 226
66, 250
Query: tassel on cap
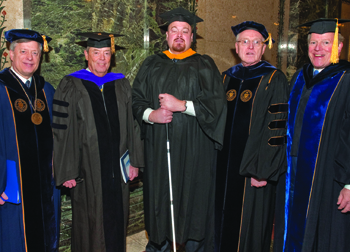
269, 38
112, 43
45, 45
335, 54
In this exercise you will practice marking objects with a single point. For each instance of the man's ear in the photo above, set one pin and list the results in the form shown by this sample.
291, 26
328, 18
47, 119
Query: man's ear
86, 55
11, 55
340, 47
263, 50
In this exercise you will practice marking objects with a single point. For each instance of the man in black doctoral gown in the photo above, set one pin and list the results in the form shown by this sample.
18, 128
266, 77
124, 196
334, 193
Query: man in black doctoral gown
317, 195
93, 127
29, 202
183, 89
253, 156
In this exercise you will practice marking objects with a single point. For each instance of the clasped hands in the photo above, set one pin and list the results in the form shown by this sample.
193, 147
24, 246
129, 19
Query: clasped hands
168, 105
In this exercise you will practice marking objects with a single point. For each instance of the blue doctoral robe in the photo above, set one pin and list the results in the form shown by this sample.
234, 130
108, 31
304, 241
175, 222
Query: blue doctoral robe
32, 225
318, 154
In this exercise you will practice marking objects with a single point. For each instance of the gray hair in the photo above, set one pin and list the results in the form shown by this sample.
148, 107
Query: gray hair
340, 38
14, 43
237, 37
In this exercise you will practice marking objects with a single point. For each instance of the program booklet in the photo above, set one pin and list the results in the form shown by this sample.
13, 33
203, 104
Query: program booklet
12, 187
124, 166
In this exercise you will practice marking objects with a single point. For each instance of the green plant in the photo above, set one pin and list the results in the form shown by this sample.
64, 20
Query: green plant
3, 59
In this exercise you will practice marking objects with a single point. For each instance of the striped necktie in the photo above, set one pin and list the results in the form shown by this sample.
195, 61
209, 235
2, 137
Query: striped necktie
28, 83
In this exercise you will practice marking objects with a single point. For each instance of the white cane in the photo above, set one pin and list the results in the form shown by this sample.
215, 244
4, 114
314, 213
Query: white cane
170, 188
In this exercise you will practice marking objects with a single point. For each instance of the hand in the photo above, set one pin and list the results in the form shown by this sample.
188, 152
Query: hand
344, 200
133, 172
257, 183
171, 103
3, 196
161, 116
70, 183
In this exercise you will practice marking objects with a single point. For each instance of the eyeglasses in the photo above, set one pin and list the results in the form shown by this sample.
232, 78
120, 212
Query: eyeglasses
246, 42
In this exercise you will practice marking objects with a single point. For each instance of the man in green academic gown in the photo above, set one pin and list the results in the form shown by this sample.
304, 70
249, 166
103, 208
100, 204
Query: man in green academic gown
253, 156
183, 89
93, 127
314, 214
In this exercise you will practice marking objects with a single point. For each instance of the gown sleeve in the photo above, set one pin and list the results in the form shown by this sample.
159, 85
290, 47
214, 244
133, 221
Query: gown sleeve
140, 94
265, 152
67, 149
134, 143
210, 103
342, 156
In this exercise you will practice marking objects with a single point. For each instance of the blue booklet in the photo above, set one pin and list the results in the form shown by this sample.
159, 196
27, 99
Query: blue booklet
125, 165
12, 188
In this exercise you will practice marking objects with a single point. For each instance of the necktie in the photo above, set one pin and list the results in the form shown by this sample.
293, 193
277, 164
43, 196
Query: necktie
316, 72
28, 83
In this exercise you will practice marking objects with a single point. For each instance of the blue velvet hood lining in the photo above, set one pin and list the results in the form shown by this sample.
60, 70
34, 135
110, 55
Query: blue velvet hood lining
250, 72
99, 81
296, 203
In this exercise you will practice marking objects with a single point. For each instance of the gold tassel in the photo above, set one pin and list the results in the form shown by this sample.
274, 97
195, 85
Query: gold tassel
46, 46
335, 54
270, 40
112, 43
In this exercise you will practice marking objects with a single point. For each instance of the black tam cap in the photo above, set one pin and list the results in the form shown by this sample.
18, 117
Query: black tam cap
16, 34
182, 15
251, 25
99, 39
323, 25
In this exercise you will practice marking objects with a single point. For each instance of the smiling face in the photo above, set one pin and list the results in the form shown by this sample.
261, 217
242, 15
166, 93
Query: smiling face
179, 37
320, 49
250, 47
99, 60
25, 58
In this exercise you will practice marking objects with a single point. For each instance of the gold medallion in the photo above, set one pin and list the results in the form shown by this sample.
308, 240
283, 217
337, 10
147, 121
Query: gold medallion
246, 95
231, 95
37, 118
21, 105
40, 105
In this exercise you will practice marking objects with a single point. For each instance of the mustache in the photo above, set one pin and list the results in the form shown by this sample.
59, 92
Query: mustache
179, 39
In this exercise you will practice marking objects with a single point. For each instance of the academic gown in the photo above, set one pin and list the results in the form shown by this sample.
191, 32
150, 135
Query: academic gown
318, 155
193, 144
92, 130
32, 225
254, 146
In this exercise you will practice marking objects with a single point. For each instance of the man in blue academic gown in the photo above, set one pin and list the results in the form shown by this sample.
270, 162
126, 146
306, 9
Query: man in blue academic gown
29, 209
317, 196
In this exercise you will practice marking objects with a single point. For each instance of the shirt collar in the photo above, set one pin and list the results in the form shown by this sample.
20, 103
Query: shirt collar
24, 80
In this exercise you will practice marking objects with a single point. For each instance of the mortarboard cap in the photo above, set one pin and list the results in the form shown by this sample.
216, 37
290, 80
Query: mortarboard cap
99, 39
324, 25
182, 15
16, 34
251, 25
